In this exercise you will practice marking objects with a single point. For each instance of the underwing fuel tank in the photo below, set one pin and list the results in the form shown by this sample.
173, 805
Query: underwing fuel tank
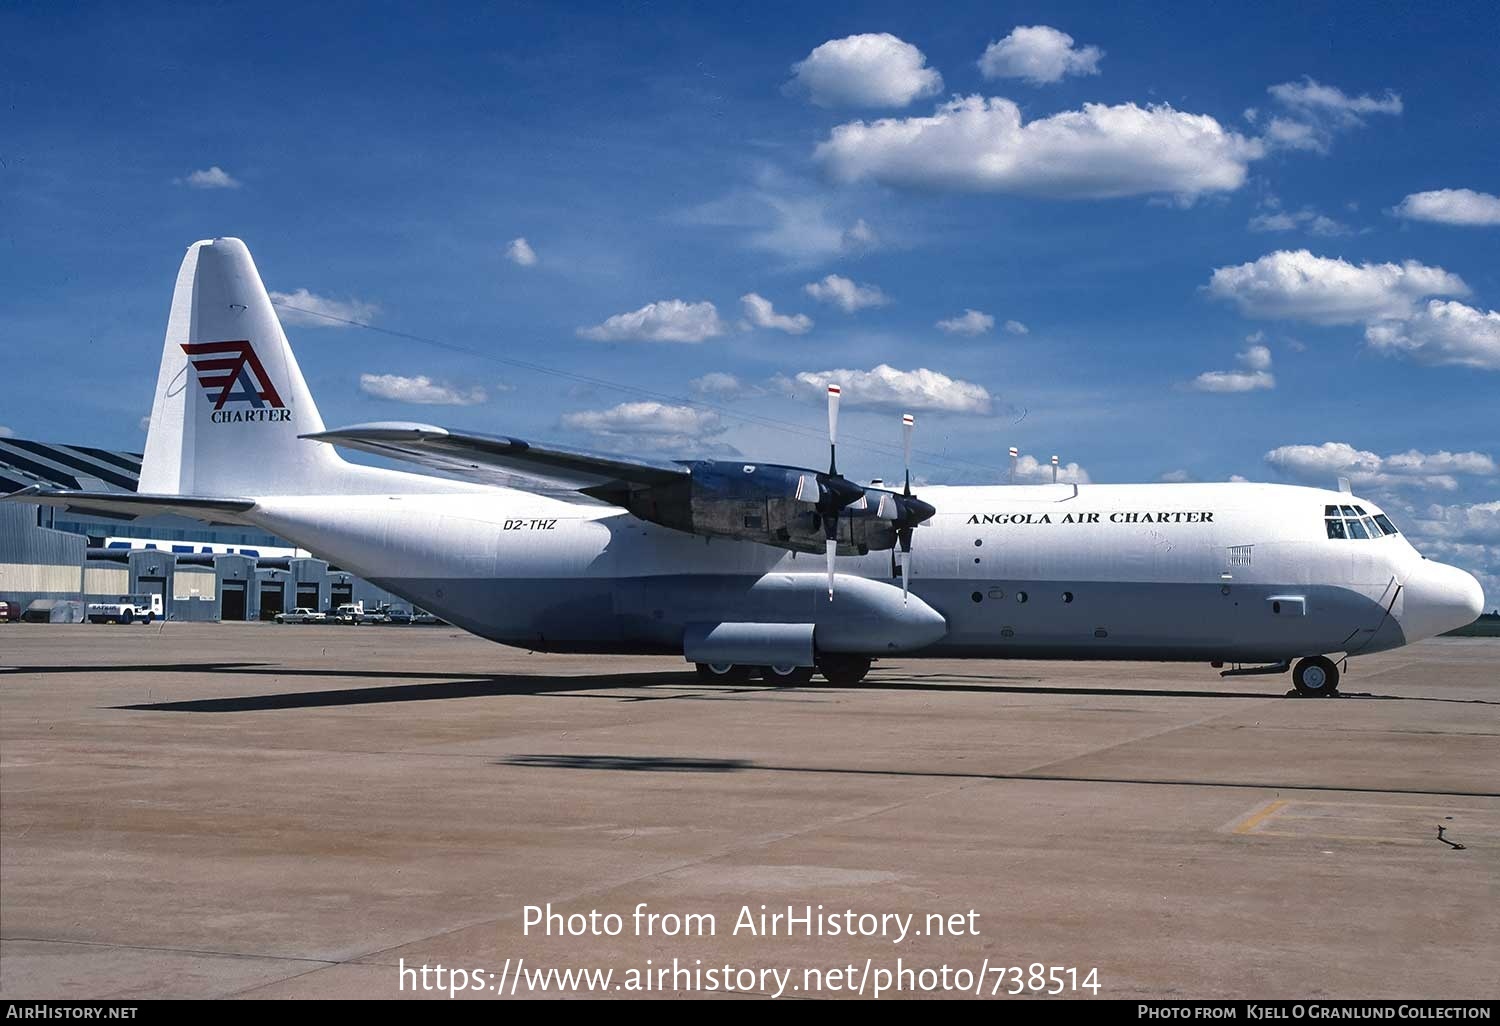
865, 617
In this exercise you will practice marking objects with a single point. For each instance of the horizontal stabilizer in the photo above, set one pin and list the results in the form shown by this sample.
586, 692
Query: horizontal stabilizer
498, 459
132, 504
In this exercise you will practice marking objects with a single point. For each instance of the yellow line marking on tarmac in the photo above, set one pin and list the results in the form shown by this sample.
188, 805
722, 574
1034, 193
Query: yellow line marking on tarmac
1256, 819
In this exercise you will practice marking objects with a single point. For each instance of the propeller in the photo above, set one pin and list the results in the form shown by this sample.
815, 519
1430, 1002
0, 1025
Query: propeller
837, 494
834, 498
913, 510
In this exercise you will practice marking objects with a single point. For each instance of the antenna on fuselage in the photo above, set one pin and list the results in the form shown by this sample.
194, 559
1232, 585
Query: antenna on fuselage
1054, 470
1014, 452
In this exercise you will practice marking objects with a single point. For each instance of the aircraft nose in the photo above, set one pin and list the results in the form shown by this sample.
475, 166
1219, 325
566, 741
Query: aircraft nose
1439, 598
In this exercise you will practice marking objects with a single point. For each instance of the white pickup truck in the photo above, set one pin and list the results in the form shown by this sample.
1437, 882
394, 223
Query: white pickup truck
126, 609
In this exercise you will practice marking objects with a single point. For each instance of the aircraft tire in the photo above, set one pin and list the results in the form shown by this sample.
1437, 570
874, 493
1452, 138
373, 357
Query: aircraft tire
127, 619
1316, 677
724, 673
786, 676
844, 670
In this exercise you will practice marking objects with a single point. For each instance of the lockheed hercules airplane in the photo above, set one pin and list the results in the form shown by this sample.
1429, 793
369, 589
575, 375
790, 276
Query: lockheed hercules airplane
558, 550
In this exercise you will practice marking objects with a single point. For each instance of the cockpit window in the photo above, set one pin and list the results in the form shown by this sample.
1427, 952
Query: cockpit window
1352, 522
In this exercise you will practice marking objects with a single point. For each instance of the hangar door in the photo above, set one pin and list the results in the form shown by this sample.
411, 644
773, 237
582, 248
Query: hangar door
272, 599
155, 586
307, 596
343, 594
232, 601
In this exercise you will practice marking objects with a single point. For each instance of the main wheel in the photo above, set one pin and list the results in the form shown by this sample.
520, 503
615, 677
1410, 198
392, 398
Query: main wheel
724, 673
128, 619
844, 670
1316, 677
786, 676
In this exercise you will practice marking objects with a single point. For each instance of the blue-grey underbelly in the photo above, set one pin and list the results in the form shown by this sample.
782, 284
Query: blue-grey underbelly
1055, 619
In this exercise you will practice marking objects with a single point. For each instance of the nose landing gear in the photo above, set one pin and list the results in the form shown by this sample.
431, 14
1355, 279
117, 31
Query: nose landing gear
1316, 677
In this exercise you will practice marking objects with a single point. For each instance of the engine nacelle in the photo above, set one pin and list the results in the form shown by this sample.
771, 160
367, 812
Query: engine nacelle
765, 503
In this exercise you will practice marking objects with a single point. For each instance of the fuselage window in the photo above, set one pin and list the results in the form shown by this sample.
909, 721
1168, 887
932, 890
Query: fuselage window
1385, 524
1356, 529
1370, 526
1336, 529
1348, 511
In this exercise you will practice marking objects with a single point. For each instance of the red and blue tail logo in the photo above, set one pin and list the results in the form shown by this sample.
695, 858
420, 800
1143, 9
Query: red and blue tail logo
230, 372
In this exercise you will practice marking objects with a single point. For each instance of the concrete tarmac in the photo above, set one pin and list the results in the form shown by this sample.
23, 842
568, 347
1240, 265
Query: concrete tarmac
247, 810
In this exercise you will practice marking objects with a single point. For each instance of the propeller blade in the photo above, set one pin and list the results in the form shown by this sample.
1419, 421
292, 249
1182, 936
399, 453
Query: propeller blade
833, 550
907, 421
904, 557
833, 429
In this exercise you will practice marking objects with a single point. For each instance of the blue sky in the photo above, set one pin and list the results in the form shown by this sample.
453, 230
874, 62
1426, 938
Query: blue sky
1130, 207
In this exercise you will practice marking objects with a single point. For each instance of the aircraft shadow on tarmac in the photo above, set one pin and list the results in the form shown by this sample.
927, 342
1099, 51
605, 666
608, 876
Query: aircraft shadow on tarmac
681, 764
658, 686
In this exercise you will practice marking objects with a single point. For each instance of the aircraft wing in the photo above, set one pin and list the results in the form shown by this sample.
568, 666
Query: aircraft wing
133, 504
498, 459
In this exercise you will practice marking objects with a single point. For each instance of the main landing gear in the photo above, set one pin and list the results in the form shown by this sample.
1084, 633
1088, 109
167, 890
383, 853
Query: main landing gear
838, 670
1316, 677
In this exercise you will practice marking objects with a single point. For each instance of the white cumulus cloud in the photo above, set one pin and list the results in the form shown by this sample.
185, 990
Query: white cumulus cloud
1315, 112
669, 320
1017, 328
1030, 470
311, 310
760, 312
982, 145
884, 387
875, 69
721, 385
1442, 332
1311, 95
210, 178
845, 294
1323, 464
519, 252
1254, 375
1451, 206
970, 322
651, 425
420, 389
1296, 285
1306, 219
1039, 54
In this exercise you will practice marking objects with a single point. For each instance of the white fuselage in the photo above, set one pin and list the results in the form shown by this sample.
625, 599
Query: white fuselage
1236, 572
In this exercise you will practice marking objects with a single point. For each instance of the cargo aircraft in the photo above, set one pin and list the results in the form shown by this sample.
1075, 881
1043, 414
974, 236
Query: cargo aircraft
559, 550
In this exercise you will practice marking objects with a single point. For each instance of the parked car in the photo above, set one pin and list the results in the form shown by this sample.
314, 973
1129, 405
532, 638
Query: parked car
350, 614
301, 615
397, 616
425, 617
10, 612
126, 609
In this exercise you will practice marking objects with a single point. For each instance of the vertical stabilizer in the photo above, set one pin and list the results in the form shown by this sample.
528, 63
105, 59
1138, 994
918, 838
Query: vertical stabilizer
230, 399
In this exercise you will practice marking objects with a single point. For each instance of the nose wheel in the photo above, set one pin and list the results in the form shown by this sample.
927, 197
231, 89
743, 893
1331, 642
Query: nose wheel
1316, 677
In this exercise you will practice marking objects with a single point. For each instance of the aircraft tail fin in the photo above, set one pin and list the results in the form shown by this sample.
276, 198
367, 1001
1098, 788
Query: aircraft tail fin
230, 399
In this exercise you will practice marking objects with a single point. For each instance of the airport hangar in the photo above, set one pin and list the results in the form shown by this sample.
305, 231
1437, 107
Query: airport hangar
51, 561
